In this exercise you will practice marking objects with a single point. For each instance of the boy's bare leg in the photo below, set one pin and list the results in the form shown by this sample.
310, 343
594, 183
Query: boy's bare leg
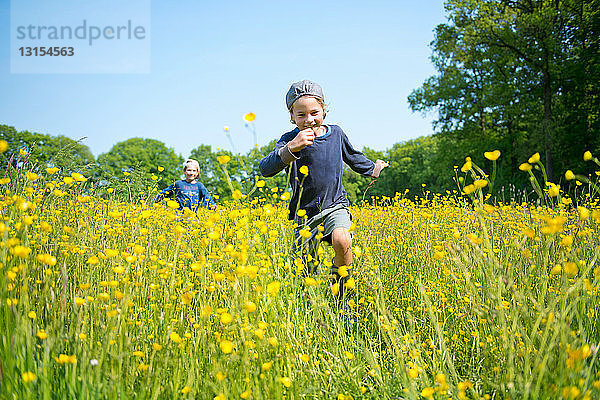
341, 242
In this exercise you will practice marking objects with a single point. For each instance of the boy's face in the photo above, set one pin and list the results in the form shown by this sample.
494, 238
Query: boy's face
307, 113
191, 173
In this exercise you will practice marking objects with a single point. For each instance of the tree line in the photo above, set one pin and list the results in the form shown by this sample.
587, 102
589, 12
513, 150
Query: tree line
519, 76
138, 162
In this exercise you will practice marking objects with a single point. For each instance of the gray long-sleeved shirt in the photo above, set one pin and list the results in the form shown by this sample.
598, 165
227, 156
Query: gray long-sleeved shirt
322, 187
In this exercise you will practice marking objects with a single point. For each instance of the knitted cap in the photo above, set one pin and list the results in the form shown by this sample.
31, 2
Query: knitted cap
303, 88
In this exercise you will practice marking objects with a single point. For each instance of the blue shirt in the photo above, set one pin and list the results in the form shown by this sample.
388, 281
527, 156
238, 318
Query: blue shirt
322, 187
190, 195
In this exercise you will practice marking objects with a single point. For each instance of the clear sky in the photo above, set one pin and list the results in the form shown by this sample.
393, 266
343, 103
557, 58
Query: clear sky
211, 62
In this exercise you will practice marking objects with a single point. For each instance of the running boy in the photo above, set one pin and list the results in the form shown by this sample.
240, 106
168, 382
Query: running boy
319, 192
189, 192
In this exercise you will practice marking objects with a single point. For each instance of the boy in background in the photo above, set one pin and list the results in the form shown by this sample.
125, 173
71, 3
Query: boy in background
189, 192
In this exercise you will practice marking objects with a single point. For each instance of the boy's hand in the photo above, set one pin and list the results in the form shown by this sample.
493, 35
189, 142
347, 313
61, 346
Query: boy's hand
379, 165
303, 139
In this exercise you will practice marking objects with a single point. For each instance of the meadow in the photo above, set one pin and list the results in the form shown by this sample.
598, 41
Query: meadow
452, 296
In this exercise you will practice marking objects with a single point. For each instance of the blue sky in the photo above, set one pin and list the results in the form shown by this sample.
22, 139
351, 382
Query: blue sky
212, 62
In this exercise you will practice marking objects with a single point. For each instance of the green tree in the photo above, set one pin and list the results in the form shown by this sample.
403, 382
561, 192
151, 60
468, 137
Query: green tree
143, 155
45, 150
520, 76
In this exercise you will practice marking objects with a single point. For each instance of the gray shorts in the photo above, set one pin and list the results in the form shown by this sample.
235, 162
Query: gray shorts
338, 216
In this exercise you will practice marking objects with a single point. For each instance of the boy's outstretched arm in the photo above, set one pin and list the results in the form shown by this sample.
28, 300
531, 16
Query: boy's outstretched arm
167, 192
379, 165
359, 162
356, 160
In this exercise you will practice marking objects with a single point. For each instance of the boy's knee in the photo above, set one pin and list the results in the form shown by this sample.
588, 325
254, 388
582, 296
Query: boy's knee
341, 239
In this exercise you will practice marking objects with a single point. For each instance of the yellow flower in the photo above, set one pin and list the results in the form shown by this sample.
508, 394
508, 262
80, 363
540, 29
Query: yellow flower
93, 260
474, 239
304, 357
301, 213
226, 346
525, 167
65, 359
31, 176
469, 189
78, 177
250, 117
285, 196
492, 155
250, 306
566, 241
226, 318
174, 336
143, 367
172, 204
31, 314
569, 175
51, 171
587, 156
285, 381
187, 298
161, 169
571, 268
20, 251
303, 170
310, 281
23, 152
46, 259
553, 190
534, 158
335, 288
186, 390
584, 213
246, 394
350, 284
428, 392
221, 375
266, 366
3, 146
237, 194
138, 353
42, 334
28, 376
156, 346
223, 159
273, 288
467, 166
260, 183
348, 355
343, 271
480, 183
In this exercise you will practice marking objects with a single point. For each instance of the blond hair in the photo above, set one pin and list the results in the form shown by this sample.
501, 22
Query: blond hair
193, 162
